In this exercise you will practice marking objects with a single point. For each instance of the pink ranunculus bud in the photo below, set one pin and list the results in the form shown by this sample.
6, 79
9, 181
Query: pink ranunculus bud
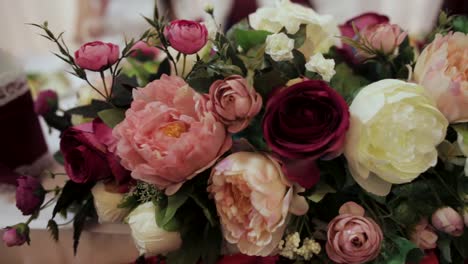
46, 102
29, 194
142, 50
383, 38
423, 235
234, 102
353, 239
186, 36
16, 235
449, 221
97, 55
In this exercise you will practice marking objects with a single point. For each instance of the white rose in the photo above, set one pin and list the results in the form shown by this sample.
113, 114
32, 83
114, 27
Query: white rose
106, 204
279, 47
394, 131
321, 30
322, 66
149, 238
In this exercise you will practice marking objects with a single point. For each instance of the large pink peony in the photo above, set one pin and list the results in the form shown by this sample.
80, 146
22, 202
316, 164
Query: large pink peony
442, 68
253, 200
167, 137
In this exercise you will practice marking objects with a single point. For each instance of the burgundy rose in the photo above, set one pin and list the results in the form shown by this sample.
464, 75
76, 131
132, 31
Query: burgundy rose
245, 259
305, 122
186, 36
429, 258
29, 194
46, 102
16, 235
88, 151
97, 55
360, 22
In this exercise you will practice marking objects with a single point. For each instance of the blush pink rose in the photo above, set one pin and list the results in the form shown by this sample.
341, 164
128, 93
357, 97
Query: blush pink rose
186, 36
167, 137
383, 38
449, 221
424, 236
234, 102
253, 200
353, 238
97, 55
442, 69
142, 50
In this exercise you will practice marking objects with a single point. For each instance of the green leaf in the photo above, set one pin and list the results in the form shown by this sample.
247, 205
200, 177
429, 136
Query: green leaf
112, 117
58, 156
174, 202
443, 243
461, 243
129, 201
460, 23
53, 229
299, 37
122, 90
248, 39
72, 192
203, 203
400, 250
346, 82
80, 220
90, 110
320, 190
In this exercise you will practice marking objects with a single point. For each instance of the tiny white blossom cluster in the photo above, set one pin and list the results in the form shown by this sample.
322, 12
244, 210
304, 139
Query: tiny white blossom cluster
289, 247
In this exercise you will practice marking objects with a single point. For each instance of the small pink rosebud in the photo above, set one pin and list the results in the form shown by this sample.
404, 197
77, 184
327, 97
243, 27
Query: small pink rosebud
447, 220
423, 235
186, 36
383, 38
97, 55
46, 102
29, 194
142, 50
16, 235
352, 208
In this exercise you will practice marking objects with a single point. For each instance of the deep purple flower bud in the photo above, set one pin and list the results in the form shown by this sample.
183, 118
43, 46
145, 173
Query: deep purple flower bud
47, 101
29, 194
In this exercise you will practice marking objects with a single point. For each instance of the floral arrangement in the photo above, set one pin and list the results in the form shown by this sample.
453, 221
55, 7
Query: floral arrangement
288, 139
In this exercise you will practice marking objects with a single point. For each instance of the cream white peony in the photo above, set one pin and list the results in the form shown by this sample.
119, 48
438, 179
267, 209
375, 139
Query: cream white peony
106, 203
321, 30
279, 47
149, 238
322, 66
393, 135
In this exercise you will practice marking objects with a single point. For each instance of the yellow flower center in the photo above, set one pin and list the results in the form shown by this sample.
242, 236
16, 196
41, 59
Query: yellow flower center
174, 129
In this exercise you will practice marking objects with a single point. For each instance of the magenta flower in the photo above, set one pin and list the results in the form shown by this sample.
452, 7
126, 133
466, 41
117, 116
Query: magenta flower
16, 235
97, 55
46, 102
186, 36
29, 194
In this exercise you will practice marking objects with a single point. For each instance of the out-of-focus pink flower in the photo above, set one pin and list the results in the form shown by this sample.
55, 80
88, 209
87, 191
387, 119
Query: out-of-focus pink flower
46, 102
253, 200
186, 36
16, 235
382, 38
167, 136
29, 194
449, 221
424, 236
142, 50
442, 69
353, 238
234, 102
97, 55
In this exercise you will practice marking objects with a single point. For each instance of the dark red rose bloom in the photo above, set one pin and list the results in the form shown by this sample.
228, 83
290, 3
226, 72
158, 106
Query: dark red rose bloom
305, 122
430, 258
47, 101
29, 194
88, 153
244, 259
360, 22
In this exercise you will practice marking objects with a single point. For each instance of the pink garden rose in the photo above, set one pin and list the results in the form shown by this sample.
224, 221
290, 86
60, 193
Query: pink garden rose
234, 102
353, 238
253, 200
449, 221
29, 194
442, 70
97, 55
16, 235
186, 36
142, 50
167, 136
383, 38
46, 102
424, 235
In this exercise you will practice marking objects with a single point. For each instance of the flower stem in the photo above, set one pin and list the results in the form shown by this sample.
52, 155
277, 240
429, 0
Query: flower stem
105, 85
184, 60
